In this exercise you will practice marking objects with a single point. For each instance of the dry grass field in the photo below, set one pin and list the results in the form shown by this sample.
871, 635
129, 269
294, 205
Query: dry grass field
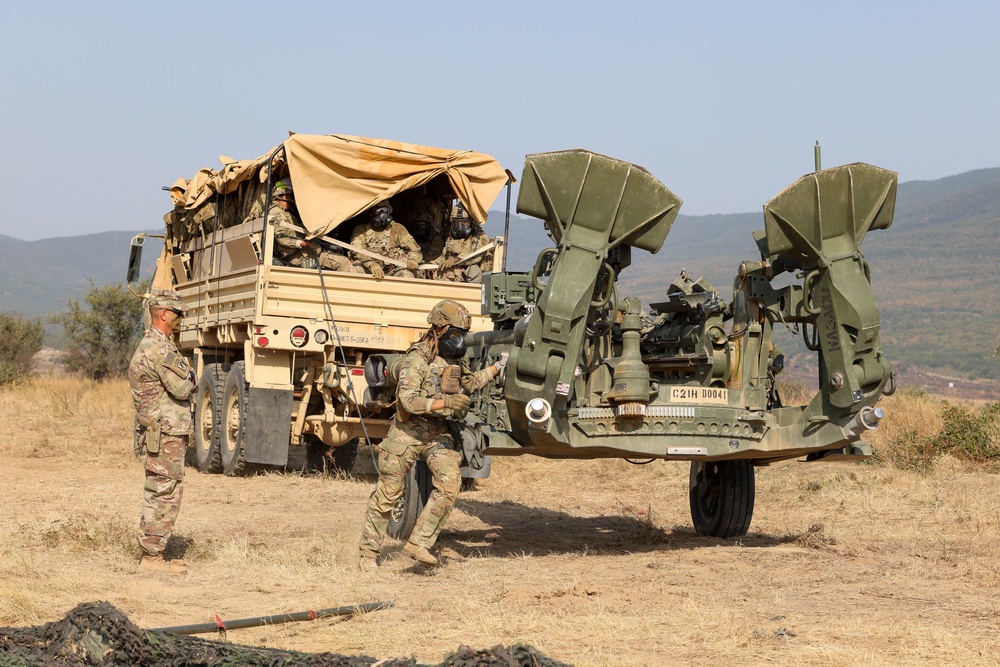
593, 562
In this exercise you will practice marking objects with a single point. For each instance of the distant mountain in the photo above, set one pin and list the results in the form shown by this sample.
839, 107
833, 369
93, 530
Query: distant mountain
935, 270
39, 277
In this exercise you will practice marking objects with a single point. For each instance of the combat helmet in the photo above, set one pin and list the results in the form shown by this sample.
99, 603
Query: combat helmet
282, 188
450, 313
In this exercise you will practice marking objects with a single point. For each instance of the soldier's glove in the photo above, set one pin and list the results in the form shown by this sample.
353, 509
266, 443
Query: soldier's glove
376, 270
449, 263
500, 366
412, 264
456, 402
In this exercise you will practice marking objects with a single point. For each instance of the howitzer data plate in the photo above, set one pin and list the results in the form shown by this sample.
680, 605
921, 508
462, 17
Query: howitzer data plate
701, 395
687, 451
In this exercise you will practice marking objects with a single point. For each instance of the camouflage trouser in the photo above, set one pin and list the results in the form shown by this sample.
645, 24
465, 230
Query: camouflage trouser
444, 466
336, 262
162, 493
389, 270
467, 274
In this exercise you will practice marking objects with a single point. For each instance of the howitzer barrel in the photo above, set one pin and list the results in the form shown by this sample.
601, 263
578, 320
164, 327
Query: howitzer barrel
278, 619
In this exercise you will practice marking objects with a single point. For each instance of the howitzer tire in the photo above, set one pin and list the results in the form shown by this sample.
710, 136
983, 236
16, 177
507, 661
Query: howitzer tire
234, 421
416, 491
321, 457
208, 402
722, 497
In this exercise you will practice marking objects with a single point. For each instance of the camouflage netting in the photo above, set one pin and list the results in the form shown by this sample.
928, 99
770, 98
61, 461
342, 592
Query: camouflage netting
96, 633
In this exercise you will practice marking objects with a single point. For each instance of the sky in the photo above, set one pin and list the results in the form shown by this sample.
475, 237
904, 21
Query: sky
103, 103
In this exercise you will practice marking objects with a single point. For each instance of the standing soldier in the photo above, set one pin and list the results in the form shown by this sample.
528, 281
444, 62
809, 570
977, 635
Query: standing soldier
162, 383
385, 236
465, 237
290, 244
424, 402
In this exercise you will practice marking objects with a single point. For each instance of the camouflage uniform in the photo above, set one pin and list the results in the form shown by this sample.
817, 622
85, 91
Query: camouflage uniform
393, 241
257, 209
472, 270
434, 211
287, 240
161, 382
431, 249
418, 432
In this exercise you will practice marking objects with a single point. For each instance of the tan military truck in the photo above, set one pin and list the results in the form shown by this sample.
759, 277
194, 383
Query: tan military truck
281, 351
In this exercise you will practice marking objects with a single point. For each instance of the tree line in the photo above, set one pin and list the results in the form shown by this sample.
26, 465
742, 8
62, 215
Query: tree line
101, 331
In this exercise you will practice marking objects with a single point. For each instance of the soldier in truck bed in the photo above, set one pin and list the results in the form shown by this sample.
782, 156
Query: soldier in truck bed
431, 243
290, 244
384, 236
464, 237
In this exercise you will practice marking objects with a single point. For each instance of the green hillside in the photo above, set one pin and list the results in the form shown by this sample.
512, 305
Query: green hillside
39, 277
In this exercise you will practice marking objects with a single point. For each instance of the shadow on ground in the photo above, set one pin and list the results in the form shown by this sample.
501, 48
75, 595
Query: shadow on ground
514, 529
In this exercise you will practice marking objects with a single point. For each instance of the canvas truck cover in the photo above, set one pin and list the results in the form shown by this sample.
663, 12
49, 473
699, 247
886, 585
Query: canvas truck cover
338, 176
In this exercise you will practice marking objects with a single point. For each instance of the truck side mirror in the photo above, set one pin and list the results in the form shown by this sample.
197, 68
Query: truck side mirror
134, 259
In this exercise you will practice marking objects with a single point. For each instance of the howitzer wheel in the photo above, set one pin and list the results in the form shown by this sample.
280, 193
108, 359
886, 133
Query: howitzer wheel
416, 491
722, 497
208, 419
234, 421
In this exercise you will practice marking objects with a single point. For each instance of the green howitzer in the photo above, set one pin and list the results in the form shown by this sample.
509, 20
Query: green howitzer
592, 374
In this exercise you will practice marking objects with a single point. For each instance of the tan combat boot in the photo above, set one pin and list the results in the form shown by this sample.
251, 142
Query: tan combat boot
157, 563
419, 554
367, 564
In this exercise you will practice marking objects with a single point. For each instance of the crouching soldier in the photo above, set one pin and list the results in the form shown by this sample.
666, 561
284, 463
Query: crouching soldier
420, 431
162, 383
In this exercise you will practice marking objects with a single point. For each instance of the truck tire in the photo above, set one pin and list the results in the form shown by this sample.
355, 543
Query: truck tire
234, 421
722, 497
208, 419
416, 491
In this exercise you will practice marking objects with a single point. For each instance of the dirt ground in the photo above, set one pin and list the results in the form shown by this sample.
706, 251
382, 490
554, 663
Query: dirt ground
594, 563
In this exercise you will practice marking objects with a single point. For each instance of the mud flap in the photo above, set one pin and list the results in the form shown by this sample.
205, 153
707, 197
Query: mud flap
269, 426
